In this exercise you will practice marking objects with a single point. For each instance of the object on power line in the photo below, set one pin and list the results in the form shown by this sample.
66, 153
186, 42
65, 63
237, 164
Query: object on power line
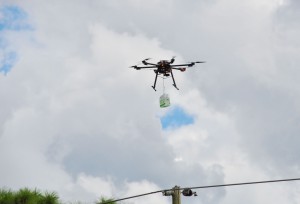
168, 192
188, 192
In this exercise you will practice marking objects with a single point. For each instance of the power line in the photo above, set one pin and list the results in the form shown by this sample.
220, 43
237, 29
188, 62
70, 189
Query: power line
144, 194
246, 183
210, 186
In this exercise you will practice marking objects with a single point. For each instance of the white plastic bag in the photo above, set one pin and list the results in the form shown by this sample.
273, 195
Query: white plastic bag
164, 101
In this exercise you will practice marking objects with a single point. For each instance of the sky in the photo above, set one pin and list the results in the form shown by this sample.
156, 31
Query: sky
76, 120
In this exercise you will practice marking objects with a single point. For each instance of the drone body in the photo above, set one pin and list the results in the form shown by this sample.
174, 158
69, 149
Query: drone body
165, 68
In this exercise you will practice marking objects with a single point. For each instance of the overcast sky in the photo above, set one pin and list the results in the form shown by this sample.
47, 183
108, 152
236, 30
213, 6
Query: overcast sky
76, 120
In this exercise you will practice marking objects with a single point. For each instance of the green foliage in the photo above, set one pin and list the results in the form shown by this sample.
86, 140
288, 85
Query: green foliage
6, 196
27, 196
106, 200
50, 198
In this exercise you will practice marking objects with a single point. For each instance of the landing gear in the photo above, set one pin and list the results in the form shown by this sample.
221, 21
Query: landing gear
154, 85
165, 75
174, 83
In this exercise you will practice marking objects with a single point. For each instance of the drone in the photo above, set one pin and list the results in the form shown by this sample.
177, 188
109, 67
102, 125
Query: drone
165, 68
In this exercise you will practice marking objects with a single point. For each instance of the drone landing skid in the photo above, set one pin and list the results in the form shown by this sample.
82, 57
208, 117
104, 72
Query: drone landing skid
175, 86
174, 83
154, 85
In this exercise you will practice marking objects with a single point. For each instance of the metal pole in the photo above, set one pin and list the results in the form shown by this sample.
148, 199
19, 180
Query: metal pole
176, 195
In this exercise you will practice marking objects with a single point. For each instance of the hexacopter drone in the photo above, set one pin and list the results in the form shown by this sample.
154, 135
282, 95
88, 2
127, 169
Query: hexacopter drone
164, 67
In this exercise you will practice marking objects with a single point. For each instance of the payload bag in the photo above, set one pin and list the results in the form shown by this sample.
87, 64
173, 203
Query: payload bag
164, 100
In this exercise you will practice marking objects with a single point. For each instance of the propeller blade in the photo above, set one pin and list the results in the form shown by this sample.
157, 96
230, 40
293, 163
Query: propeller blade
145, 61
172, 60
134, 66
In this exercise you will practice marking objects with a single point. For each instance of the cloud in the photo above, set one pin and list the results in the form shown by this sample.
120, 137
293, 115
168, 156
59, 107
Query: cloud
76, 119
82, 117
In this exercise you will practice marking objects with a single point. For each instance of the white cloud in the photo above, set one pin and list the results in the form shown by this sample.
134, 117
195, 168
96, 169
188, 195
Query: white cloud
76, 120
140, 187
94, 184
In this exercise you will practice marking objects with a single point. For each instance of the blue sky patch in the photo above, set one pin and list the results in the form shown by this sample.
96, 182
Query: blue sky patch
8, 62
13, 19
176, 118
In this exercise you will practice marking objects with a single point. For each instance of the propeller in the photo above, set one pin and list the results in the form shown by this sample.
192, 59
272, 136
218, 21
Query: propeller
139, 63
172, 60
193, 63
135, 67
144, 61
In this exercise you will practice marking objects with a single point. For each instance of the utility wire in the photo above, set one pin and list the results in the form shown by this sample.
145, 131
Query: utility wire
144, 194
245, 183
211, 186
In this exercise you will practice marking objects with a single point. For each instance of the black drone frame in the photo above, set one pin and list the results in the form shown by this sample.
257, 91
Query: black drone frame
165, 67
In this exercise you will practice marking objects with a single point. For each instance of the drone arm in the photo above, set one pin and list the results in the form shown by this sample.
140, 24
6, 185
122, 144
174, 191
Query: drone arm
147, 63
180, 69
182, 65
138, 68
185, 65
